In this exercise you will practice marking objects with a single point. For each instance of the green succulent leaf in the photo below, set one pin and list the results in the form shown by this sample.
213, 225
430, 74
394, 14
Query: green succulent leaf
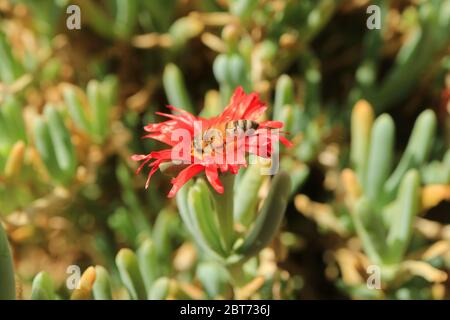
10, 68
284, 97
76, 110
362, 211
61, 143
45, 148
245, 202
7, 281
214, 278
417, 151
43, 288
126, 17
131, 276
190, 220
401, 228
199, 202
13, 119
100, 110
381, 155
270, 216
361, 126
102, 289
160, 289
175, 88
148, 263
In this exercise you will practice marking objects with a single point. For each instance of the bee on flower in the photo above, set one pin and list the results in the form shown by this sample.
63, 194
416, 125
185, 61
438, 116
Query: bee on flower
213, 146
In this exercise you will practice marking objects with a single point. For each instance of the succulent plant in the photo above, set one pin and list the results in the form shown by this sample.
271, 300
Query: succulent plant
361, 157
384, 203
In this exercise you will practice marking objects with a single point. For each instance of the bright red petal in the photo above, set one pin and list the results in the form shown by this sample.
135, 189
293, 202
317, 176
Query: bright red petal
271, 124
179, 118
241, 106
155, 167
139, 157
183, 112
184, 176
254, 108
161, 137
286, 142
213, 177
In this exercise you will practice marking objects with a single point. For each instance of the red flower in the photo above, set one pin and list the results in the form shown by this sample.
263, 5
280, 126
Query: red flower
241, 107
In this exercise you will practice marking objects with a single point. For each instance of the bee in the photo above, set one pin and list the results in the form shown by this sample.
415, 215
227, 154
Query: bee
241, 125
216, 136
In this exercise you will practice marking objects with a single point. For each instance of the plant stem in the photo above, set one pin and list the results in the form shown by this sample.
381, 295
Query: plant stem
237, 275
224, 209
